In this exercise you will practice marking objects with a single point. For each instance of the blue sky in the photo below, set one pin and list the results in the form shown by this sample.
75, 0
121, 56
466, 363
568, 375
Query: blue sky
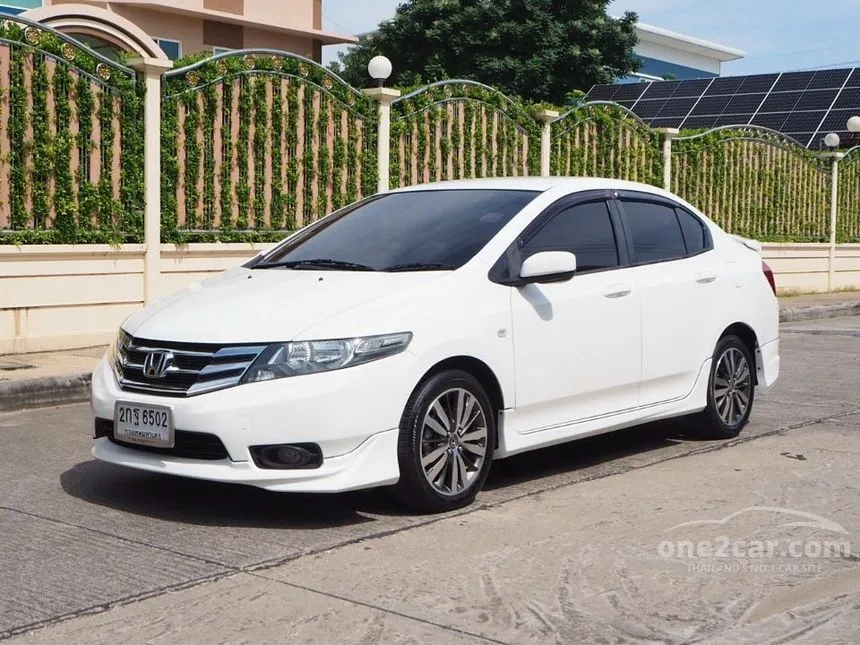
778, 35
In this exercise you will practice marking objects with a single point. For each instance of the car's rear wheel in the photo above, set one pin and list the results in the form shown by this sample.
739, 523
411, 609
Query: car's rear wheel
731, 391
447, 435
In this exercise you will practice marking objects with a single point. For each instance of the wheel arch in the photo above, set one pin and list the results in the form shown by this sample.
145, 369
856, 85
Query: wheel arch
477, 368
750, 339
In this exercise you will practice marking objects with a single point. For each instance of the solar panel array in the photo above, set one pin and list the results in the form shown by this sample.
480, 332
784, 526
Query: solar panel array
803, 105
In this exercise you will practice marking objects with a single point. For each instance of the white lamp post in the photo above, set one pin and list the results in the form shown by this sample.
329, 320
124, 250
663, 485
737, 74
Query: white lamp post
379, 69
832, 141
854, 124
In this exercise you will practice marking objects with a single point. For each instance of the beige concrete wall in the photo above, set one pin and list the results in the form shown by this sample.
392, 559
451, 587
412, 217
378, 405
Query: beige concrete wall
189, 29
258, 38
185, 29
64, 297
804, 267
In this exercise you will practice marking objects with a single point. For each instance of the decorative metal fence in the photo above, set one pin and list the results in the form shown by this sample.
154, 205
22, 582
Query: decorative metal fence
606, 140
71, 140
848, 205
255, 143
261, 141
755, 182
461, 129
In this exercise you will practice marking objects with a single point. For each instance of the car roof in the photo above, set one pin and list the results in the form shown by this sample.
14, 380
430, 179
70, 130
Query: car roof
540, 184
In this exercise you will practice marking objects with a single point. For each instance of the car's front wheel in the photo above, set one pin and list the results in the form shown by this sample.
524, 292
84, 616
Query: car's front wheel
447, 435
731, 391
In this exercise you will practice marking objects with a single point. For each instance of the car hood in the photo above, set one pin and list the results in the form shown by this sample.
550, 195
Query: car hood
247, 306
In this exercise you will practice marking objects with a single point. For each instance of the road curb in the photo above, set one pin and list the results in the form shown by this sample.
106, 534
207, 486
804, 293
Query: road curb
44, 392
819, 312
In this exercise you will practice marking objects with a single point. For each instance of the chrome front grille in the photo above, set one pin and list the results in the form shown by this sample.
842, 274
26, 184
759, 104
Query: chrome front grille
186, 369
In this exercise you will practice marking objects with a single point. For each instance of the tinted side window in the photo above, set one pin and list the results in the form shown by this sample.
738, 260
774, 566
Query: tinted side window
584, 229
654, 232
695, 233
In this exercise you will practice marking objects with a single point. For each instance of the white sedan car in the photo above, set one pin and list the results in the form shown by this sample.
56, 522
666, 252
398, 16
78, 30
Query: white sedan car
412, 338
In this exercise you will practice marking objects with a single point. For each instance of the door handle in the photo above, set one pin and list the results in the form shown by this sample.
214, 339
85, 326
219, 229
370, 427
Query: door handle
705, 277
618, 291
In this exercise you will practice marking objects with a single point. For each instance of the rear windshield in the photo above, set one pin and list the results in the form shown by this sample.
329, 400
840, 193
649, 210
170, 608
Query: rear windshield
423, 230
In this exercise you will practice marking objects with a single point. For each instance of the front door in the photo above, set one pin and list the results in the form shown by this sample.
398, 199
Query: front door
577, 344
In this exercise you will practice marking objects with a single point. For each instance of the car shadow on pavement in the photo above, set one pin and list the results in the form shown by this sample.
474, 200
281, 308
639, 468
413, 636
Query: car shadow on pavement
607, 450
204, 503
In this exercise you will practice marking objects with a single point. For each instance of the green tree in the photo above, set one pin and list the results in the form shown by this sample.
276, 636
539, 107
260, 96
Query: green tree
536, 49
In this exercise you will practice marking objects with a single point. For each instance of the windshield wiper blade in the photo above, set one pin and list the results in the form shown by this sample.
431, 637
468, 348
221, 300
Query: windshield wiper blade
321, 263
419, 266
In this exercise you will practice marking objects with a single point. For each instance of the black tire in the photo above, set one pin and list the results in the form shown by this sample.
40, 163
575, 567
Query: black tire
712, 422
415, 488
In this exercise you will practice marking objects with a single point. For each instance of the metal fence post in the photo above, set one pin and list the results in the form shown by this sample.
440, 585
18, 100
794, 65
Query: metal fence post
546, 117
152, 69
668, 135
835, 157
385, 96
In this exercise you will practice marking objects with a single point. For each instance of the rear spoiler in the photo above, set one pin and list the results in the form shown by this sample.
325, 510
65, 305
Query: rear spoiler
752, 245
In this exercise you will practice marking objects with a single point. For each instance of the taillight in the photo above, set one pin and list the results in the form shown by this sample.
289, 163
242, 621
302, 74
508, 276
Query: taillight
768, 273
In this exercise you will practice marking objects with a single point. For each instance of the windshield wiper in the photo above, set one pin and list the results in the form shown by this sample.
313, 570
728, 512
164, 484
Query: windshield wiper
322, 263
419, 266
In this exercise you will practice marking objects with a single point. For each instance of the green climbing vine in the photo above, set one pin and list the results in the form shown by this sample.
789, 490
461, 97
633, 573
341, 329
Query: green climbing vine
292, 154
210, 118
17, 134
310, 153
848, 224
191, 132
270, 140
227, 155
324, 178
277, 214
261, 130
243, 189
53, 200
757, 184
169, 169
87, 194
65, 207
42, 149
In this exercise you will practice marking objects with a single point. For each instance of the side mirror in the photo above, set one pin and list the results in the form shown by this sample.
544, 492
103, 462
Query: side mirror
548, 266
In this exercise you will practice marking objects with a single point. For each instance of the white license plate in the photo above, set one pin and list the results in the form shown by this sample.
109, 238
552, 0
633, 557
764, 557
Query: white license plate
146, 425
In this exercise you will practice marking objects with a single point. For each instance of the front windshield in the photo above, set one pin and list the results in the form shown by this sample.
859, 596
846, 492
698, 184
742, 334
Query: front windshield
411, 231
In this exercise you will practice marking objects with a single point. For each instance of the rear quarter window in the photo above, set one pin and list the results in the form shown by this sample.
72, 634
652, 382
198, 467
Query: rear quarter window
696, 234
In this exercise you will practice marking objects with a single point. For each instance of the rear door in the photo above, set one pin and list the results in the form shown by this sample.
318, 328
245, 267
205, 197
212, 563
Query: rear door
678, 281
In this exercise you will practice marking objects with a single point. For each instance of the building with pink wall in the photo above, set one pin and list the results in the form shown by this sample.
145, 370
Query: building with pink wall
187, 26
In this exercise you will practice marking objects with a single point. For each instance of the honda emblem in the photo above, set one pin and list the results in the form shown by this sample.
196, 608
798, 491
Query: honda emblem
156, 364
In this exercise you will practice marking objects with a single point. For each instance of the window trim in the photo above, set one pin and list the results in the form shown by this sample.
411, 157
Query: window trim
632, 195
509, 263
158, 40
709, 239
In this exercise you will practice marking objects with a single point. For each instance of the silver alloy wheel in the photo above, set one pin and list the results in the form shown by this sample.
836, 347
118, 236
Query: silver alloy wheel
453, 441
732, 386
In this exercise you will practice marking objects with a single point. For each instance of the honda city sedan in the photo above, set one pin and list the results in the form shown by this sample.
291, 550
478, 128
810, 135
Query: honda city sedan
411, 339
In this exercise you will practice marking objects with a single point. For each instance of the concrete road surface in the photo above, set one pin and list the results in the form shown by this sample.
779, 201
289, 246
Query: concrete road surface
641, 536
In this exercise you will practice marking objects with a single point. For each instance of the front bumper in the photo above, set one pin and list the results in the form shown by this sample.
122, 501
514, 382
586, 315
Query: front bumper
352, 415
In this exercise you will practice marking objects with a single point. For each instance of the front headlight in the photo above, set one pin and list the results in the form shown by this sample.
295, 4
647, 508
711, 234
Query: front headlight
113, 353
314, 356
